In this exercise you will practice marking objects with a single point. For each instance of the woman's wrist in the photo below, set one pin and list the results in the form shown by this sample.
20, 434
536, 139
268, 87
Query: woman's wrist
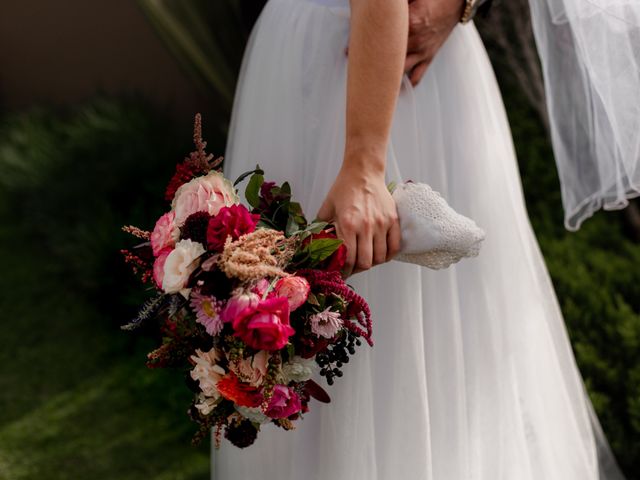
367, 157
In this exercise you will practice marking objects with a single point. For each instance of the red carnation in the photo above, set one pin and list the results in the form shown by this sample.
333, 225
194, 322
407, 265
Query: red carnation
231, 388
233, 221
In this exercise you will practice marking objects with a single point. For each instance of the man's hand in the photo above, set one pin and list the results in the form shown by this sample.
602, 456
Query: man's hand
430, 23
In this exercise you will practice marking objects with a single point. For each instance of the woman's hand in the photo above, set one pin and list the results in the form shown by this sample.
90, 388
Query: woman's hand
364, 213
359, 203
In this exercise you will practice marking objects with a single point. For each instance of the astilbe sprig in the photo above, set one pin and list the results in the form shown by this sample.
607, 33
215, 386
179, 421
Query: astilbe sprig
199, 162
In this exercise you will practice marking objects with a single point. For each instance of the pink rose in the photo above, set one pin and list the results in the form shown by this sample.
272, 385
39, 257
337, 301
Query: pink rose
261, 287
238, 304
164, 233
284, 403
158, 266
203, 194
296, 289
233, 221
263, 325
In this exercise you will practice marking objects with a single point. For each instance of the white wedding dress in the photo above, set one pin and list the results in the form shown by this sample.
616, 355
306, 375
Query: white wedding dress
472, 374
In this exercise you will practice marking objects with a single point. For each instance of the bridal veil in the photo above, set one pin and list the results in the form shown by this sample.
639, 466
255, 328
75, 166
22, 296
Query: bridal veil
590, 54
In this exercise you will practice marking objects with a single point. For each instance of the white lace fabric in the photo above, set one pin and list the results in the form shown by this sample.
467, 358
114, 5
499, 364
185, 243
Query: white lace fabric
434, 235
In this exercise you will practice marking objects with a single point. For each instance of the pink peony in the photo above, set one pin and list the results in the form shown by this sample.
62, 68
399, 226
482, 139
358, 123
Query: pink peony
284, 403
203, 194
164, 233
158, 266
233, 221
296, 289
261, 324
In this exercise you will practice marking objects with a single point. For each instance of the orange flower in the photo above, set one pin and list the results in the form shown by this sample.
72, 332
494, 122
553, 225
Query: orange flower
231, 388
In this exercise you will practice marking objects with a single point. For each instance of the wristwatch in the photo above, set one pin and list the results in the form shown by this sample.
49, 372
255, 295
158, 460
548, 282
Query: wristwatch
471, 7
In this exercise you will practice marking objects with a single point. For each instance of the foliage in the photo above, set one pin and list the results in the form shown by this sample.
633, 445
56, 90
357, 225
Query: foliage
77, 401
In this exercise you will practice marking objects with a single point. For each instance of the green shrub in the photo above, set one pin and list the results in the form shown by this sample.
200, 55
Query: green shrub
77, 399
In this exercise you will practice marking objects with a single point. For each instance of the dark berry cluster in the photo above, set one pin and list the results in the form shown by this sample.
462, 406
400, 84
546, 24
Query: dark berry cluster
336, 355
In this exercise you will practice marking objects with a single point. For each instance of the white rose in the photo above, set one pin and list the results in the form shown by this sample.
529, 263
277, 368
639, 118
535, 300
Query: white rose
203, 194
180, 264
298, 369
254, 415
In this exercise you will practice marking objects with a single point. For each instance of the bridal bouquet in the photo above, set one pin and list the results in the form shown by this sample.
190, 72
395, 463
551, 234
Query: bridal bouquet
249, 299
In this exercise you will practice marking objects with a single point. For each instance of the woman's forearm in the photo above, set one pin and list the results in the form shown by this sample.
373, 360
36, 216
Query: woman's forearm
377, 49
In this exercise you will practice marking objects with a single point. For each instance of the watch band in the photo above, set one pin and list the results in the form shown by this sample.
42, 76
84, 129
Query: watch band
470, 9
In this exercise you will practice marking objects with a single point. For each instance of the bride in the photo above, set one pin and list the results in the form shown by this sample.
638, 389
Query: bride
472, 375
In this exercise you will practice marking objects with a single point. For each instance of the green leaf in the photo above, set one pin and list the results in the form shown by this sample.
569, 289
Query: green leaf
285, 189
316, 227
253, 190
323, 248
312, 299
295, 208
246, 174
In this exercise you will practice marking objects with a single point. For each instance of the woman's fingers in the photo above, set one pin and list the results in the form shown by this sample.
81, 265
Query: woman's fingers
348, 237
364, 259
394, 238
380, 248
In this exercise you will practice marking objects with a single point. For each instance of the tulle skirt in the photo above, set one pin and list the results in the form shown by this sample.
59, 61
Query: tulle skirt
472, 374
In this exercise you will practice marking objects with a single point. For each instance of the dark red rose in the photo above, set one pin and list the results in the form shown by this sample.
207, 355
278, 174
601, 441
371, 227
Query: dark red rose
233, 221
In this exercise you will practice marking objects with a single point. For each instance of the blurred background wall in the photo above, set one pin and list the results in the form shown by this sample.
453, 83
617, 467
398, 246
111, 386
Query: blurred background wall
62, 52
